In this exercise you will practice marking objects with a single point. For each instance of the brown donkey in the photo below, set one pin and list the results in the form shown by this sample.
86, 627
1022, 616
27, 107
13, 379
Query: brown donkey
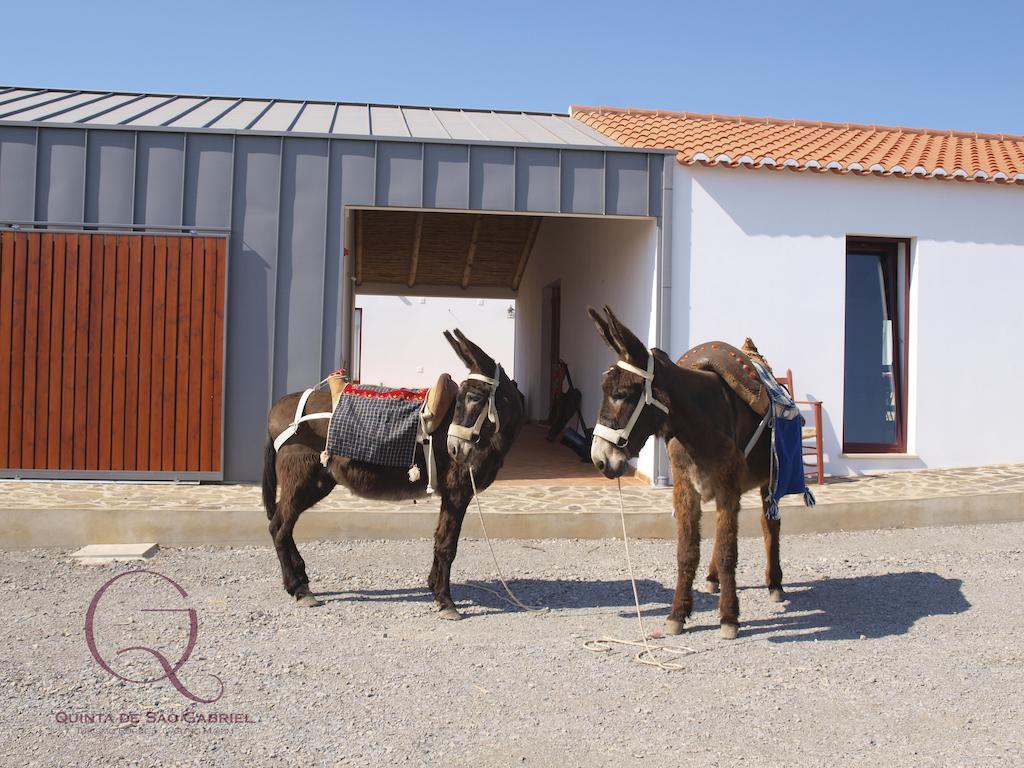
481, 428
707, 427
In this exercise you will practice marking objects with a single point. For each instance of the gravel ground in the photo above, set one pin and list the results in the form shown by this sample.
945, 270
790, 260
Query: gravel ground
896, 648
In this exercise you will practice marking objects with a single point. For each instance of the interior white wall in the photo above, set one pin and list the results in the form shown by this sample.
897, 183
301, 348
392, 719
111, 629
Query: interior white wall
762, 253
599, 261
403, 344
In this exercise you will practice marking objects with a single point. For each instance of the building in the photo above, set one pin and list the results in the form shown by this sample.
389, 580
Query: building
883, 265
171, 265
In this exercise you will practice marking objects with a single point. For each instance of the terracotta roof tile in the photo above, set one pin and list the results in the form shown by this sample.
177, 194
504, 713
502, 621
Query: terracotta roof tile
801, 145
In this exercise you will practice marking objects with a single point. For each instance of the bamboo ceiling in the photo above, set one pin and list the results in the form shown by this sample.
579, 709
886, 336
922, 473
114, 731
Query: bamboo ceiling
461, 250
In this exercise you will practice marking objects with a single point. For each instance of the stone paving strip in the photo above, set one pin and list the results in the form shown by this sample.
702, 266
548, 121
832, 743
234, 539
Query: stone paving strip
76, 513
917, 484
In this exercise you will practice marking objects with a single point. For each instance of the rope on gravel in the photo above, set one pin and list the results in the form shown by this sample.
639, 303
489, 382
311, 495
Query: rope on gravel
648, 653
511, 599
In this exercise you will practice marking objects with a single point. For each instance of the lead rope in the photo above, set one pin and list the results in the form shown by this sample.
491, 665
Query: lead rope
512, 599
646, 655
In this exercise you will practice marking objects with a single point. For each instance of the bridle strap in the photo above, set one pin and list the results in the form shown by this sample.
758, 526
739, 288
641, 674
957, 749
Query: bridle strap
620, 437
472, 434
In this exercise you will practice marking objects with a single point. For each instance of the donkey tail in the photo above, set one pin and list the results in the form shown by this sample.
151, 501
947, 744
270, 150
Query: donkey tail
270, 478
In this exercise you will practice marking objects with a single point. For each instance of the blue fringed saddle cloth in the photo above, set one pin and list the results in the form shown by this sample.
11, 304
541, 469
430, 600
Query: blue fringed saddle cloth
785, 422
377, 425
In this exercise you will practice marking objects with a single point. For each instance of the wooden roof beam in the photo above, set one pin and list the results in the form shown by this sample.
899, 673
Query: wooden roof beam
414, 259
524, 257
471, 254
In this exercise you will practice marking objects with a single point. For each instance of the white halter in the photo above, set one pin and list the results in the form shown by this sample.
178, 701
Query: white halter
472, 434
620, 437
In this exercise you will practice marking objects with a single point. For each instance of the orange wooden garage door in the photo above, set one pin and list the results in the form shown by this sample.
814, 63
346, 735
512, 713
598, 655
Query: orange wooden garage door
111, 352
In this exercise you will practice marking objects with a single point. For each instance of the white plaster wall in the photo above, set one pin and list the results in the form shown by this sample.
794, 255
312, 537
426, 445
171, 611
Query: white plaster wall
742, 237
599, 261
403, 344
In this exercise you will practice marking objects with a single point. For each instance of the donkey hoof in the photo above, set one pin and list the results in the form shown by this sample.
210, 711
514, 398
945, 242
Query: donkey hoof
728, 631
673, 627
777, 595
308, 601
711, 587
449, 614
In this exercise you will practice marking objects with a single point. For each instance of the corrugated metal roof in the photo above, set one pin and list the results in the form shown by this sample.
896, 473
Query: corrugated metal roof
44, 106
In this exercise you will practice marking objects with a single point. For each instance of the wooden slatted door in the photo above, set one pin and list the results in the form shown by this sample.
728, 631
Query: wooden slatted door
111, 354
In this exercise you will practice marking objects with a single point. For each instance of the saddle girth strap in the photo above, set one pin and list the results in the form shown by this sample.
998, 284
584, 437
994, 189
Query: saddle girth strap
289, 431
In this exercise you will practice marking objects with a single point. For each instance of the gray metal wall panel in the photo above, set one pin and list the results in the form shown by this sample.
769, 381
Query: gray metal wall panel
160, 170
582, 178
445, 176
626, 184
399, 174
110, 177
17, 173
334, 267
251, 285
537, 187
655, 185
358, 171
286, 264
492, 178
300, 266
208, 181
60, 175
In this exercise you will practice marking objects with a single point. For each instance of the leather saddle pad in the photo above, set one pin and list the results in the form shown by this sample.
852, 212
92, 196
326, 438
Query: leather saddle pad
735, 368
440, 399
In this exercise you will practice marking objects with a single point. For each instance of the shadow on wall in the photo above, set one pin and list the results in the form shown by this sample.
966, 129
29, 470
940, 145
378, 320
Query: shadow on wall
782, 203
246, 366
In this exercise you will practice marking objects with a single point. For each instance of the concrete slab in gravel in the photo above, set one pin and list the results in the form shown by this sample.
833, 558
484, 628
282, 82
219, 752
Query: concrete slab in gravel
102, 554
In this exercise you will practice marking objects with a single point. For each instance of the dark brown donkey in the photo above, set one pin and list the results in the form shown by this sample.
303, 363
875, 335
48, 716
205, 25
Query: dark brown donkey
304, 481
708, 427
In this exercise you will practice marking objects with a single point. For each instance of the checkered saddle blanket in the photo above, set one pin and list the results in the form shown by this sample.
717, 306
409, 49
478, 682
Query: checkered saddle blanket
376, 424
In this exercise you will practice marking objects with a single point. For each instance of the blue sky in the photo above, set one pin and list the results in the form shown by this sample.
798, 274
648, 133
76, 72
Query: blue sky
926, 64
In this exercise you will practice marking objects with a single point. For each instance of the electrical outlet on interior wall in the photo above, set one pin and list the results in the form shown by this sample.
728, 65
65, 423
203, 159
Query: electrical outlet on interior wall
419, 369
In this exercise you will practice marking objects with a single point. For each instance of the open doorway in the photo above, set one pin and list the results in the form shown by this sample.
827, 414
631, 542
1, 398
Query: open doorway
403, 343
518, 285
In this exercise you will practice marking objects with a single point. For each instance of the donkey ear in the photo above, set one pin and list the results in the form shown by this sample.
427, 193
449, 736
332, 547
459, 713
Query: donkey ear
459, 350
628, 345
483, 361
602, 328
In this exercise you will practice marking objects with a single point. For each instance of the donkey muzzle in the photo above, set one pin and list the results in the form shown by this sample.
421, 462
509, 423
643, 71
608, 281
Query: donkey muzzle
610, 460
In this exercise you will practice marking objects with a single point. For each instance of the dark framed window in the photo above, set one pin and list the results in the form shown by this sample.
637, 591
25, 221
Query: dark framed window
875, 355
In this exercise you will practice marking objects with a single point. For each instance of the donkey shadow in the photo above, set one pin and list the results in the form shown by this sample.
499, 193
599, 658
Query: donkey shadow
489, 595
871, 607
885, 605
